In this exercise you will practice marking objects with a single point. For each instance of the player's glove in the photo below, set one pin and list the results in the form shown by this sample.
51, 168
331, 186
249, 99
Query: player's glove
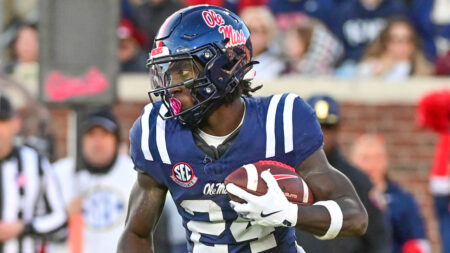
272, 209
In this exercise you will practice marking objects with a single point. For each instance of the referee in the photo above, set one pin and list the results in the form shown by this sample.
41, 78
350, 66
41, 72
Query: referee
31, 210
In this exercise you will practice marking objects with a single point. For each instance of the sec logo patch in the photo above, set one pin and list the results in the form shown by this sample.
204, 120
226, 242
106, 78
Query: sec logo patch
183, 175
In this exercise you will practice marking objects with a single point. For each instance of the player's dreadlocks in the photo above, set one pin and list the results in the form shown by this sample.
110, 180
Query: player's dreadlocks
243, 88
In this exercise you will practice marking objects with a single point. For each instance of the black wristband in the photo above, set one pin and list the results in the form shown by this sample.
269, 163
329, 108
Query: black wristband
28, 229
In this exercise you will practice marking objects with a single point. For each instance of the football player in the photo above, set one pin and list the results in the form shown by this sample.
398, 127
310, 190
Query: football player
205, 126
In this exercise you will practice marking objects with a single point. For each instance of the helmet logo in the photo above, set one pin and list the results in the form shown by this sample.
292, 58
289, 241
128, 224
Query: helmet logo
159, 52
212, 19
236, 37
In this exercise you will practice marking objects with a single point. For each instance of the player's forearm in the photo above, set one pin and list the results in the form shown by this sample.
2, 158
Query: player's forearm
316, 219
131, 242
145, 206
338, 210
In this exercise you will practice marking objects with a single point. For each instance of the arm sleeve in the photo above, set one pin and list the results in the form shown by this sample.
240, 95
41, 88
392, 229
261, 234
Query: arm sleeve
55, 218
307, 133
64, 172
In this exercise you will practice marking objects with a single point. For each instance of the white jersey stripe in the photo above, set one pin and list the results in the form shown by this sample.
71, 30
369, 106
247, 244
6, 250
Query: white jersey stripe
270, 126
11, 199
161, 136
11, 191
252, 177
57, 217
263, 244
146, 132
287, 122
305, 191
11, 246
32, 185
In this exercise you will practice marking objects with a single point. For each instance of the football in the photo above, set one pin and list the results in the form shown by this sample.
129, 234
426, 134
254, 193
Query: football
248, 177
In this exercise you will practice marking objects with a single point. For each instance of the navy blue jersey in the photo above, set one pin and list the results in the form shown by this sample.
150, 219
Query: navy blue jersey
281, 128
432, 34
320, 9
405, 216
442, 208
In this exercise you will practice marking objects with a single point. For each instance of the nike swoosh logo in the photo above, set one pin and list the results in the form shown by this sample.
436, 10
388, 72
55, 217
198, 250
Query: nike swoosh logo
268, 214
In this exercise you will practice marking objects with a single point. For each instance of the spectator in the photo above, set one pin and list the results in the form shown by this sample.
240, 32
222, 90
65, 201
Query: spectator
440, 189
96, 193
431, 19
443, 65
31, 208
311, 49
288, 12
25, 67
434, 113
131, 56
151, 14
13, 13
377, 237
395, 54
262, 26
356, 23
235, 6
23, 10
126, 9
36, 130
408, 232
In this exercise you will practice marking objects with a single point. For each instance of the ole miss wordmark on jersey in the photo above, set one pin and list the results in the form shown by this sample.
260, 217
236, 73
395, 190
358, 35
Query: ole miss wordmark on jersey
281, 128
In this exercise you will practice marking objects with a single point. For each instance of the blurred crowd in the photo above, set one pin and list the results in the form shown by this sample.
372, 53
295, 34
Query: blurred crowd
387, 39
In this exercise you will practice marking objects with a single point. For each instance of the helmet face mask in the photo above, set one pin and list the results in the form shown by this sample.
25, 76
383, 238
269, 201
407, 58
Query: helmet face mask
172, 73
206, 58
168, 73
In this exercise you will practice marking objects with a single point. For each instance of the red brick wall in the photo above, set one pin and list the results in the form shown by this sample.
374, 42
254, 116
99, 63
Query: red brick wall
410, 148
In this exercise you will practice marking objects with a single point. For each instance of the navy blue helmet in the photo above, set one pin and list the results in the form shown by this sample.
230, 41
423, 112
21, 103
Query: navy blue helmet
204, 48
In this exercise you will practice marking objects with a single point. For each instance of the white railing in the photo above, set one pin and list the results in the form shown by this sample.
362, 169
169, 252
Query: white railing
370, 91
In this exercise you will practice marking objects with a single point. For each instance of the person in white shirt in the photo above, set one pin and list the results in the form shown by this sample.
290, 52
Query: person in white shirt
96, 194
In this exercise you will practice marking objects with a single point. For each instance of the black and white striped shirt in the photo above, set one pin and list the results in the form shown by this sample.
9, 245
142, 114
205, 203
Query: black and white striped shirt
29, 192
